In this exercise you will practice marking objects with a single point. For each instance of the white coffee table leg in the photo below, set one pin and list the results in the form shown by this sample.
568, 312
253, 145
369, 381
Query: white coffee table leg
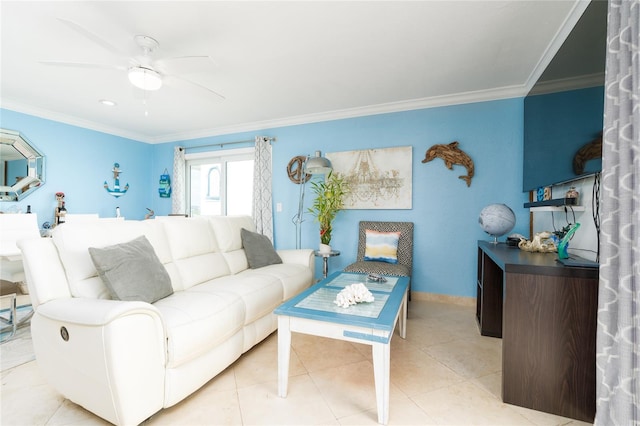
284, 353
403, 317
381, 368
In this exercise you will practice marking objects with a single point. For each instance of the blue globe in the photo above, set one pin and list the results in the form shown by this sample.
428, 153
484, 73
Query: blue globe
497, 220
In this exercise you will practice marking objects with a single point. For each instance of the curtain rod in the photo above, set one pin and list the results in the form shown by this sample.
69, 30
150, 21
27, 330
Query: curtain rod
221, 144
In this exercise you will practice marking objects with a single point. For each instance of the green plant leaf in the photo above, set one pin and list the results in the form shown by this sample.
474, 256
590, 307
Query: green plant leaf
328, 202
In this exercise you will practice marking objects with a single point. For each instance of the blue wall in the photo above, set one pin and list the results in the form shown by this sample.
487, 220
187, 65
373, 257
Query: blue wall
77, 162
445, 211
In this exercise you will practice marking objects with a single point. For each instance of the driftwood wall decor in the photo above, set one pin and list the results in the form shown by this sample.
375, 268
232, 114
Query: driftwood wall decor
295, 170
451, 154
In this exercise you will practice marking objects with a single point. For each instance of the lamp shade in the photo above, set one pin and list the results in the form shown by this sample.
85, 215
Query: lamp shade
145, 78
317, 165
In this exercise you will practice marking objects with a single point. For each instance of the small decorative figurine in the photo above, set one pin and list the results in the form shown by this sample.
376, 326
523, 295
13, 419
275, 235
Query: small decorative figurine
572, 194
61, 211
116, 191
541, 243
451, 155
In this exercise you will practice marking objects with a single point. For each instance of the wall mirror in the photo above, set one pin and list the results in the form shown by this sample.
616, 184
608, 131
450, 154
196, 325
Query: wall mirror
21, 166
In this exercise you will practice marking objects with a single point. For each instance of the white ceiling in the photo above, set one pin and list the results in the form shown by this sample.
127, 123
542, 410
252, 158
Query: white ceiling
276, 63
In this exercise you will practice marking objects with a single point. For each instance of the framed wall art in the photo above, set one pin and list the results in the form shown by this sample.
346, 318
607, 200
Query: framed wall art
378, 178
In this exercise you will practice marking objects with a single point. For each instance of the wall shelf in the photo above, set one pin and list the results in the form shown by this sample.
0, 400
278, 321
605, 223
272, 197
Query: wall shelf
557, 204
556, 208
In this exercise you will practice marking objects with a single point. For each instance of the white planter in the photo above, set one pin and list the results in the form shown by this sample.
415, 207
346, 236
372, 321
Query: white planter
325, 248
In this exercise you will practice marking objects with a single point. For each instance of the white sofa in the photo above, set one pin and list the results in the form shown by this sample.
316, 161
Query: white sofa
126, 360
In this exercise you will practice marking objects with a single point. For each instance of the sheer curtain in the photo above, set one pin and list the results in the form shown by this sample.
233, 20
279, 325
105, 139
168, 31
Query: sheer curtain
178, 184
262, 204
618, 336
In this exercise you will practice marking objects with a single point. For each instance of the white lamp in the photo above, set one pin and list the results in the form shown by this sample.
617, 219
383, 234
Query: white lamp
145, 78
314, 166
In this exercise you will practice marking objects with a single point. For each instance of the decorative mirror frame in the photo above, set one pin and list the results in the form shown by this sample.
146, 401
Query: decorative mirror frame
34, 178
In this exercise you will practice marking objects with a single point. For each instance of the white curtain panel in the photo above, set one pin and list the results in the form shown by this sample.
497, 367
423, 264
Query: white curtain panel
262, 199
178, 185
618, 335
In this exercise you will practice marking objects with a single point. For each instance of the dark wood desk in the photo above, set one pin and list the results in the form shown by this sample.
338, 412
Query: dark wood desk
546, 315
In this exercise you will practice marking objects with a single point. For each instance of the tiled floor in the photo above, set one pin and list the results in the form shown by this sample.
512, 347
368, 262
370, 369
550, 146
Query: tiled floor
444, 373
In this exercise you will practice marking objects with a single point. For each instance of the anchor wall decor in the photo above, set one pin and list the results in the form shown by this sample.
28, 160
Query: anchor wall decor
116, 191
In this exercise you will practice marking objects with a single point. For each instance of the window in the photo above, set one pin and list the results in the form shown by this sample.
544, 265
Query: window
213, 183
220, 182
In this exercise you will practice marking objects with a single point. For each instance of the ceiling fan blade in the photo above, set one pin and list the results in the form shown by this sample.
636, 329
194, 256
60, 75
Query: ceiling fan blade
93, 37
84, 65
173, 78
186, 64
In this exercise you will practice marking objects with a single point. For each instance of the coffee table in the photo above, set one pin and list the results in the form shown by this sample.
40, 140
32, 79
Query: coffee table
313, 312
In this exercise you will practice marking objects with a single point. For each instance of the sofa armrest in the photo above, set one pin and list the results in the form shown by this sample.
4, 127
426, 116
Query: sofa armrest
300, 256
45, 274
107, 356
94, 312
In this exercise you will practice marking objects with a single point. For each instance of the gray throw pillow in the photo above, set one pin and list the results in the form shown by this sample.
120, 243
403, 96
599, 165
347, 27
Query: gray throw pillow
132, 271
259, 249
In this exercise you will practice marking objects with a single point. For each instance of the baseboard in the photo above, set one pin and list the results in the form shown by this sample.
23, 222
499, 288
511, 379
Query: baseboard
443, 298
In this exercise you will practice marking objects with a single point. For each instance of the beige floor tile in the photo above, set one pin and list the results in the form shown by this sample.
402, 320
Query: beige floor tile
350, 389
317, 353
205, 407
471, 357
18, 350
492, 383
402, 411
413, 371
260, 364
224, 381
444, 373
304, 405
423, 336
73, 414
465, 403
540, 418
25, 399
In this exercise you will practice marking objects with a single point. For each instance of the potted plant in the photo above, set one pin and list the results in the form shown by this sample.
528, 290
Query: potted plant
328, 202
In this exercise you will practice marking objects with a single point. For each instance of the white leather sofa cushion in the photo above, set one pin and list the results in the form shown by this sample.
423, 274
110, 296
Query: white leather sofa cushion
260, 294
195, 251
73, 242
196, 321
292, 277
227, 231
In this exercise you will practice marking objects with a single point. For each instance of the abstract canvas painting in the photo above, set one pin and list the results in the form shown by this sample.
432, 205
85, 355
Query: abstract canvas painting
378, 178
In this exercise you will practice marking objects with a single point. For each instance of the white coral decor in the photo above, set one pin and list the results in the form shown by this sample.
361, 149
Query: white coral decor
352, 294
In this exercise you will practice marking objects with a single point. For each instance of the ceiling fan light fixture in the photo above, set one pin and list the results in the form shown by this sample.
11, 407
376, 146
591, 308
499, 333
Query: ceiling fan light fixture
145, 78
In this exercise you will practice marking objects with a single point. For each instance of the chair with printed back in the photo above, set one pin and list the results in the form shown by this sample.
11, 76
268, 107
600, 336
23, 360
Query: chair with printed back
384, 248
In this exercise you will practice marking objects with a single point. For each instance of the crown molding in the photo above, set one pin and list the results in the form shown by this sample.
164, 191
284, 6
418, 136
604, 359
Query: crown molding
556, 42
71, 120
566, 84
386, 108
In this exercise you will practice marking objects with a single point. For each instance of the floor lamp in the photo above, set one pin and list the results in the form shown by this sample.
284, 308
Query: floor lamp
312, 166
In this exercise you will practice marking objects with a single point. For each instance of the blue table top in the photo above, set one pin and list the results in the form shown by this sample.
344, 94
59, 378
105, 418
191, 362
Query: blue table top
317, 302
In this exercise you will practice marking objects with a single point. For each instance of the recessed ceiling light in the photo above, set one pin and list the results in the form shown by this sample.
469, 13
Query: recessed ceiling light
107, 102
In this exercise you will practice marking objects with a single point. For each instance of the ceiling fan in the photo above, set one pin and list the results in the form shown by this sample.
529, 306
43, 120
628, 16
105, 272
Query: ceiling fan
144, 71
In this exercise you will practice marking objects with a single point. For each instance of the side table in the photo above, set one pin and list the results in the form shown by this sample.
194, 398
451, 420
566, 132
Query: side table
325, 260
